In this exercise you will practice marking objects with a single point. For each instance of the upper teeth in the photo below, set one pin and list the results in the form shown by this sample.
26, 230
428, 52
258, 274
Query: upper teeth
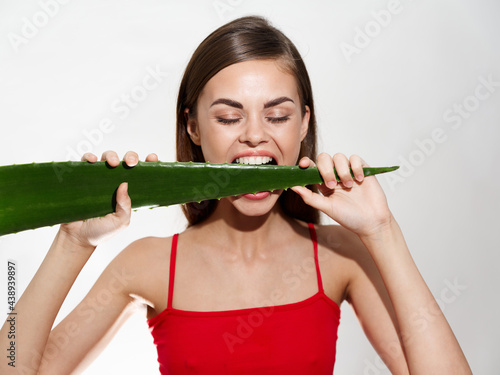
254, 160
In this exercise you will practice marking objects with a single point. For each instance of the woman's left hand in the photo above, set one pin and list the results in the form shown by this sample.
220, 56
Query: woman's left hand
357, 204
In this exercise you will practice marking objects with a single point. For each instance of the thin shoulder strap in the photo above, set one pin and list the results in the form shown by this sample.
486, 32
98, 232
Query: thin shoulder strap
173, 253
312, 231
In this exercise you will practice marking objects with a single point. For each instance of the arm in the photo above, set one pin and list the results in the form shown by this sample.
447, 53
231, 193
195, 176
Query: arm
42, 299
430, 345
81, 336
361, 207
368, 296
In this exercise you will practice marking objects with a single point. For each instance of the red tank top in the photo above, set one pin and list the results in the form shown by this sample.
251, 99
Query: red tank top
296, 338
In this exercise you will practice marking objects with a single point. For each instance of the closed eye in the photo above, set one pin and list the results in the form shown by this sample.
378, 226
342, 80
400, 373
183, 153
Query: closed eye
226, 121
278, 120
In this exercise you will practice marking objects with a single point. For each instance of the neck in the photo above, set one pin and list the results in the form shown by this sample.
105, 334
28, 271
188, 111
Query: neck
248, 237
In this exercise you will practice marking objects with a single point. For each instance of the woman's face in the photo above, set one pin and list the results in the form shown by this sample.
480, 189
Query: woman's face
248, 113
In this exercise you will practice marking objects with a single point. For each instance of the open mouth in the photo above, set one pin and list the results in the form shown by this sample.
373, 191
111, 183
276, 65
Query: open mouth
255, 160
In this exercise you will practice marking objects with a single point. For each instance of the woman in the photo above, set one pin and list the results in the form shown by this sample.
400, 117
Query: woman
254, 284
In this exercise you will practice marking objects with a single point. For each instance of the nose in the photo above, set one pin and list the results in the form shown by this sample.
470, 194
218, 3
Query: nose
254, 132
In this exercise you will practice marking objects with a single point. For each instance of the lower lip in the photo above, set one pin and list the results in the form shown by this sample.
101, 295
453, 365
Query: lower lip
258, 196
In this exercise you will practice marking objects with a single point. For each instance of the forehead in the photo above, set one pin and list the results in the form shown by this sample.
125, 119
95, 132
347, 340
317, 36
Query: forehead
255, 79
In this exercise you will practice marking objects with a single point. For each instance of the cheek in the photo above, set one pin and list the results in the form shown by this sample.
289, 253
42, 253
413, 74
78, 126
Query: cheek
215, 142
288, 141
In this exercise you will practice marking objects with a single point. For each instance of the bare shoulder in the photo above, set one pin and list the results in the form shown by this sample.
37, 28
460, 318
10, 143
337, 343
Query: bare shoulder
147, 250
343, 258
338, 240
142, 268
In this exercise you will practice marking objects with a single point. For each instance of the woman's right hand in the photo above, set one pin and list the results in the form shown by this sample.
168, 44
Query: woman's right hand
91, 232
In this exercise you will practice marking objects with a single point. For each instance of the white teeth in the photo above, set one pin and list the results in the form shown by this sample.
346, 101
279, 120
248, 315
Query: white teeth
254, 160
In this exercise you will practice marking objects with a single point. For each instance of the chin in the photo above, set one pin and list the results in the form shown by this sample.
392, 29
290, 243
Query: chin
256, 207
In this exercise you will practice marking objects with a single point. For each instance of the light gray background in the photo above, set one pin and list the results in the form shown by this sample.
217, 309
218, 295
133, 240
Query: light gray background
70, 73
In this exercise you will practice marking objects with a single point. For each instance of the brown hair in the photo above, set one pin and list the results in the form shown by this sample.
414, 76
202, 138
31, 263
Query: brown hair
244, 39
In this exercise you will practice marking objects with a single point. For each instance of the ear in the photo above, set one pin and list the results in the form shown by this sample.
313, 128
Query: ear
304, 127
192, 128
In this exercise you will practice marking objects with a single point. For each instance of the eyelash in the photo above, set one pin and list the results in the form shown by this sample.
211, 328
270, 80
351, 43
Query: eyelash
278, 120
225, 121
274, 120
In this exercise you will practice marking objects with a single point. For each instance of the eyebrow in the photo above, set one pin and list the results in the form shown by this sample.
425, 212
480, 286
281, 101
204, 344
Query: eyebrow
229, 102
235, 104
278, 101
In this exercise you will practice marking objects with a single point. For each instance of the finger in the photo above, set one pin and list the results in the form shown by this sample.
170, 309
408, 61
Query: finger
89, 157
131, 158
111, 157
357, 167
305, 162
342, 167
312, 199
123, 206
325, 167
152, 157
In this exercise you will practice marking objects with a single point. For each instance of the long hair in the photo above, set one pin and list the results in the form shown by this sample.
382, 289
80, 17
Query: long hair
244, 39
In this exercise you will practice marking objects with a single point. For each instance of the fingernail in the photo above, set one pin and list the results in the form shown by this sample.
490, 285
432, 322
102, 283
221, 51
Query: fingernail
331, 184
359, 177
348, 183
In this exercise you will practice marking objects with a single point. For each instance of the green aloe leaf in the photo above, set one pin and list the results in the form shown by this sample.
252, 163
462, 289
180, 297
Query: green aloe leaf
42, 194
